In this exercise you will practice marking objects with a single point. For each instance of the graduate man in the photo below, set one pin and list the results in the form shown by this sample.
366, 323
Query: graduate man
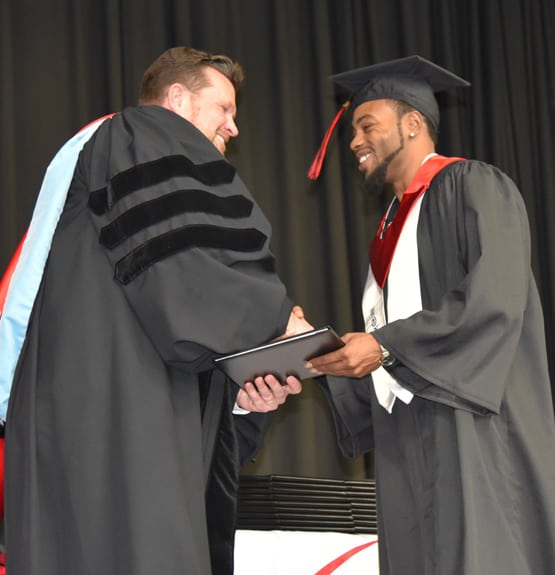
145, 259
459, 410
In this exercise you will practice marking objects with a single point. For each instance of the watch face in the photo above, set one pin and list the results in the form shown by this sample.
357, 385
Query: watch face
388, 361
387, 358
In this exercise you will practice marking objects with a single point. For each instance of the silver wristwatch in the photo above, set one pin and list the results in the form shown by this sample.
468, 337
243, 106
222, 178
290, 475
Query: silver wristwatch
387, 358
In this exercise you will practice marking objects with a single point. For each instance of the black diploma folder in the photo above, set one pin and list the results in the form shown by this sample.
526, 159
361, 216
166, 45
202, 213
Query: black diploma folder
281, 357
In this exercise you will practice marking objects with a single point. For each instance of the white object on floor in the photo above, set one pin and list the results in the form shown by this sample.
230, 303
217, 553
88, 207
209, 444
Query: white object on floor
305, 553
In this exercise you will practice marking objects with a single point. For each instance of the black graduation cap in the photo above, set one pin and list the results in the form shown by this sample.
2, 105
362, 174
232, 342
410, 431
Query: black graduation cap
412, 80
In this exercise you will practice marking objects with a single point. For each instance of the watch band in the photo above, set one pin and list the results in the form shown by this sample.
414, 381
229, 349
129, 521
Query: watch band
387, 358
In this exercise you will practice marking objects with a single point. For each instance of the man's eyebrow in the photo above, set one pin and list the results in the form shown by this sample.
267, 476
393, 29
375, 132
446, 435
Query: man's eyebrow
363, 118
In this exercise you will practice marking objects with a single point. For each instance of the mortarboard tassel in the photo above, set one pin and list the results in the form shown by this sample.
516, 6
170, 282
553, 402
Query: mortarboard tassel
316, 166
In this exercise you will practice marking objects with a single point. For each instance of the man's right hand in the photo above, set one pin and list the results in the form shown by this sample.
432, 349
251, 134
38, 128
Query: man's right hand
360, 356
297, 323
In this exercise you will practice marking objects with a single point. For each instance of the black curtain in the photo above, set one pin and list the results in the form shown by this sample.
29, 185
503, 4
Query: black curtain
66, 62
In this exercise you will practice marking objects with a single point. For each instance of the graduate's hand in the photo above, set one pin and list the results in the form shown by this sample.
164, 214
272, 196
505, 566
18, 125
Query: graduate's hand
267, 393
360, 356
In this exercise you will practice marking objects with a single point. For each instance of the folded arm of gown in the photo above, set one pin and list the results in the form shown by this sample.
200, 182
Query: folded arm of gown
350, 403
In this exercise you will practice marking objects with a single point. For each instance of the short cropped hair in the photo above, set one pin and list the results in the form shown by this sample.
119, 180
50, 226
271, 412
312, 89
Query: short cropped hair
403, 108
186, 66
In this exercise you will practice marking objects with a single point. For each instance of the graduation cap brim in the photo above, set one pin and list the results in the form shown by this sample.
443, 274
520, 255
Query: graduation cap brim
412, 80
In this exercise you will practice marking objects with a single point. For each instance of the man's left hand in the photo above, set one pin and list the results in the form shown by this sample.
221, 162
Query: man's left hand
267, 393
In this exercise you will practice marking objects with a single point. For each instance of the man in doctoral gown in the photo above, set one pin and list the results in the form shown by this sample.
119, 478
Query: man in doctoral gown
122, 452
459, 408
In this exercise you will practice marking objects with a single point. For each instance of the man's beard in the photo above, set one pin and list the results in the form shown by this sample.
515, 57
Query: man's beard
375, 183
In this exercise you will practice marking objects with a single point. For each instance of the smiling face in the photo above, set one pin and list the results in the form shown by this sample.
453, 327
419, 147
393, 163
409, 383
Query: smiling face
377, 138
390, 141
211, 108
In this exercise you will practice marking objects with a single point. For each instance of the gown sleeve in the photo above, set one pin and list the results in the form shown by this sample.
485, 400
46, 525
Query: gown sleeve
351, 407
473, 242
185, 241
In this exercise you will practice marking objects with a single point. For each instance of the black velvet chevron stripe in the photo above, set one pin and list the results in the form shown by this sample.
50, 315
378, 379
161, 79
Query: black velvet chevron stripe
152, 173
156, 249
176, 203
98, 201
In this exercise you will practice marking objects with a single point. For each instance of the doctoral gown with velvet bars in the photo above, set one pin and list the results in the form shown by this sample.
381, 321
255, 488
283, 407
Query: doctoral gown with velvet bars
160, 262
465, 473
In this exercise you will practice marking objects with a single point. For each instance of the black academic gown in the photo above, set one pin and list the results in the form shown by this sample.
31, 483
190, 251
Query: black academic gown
160, 261
465, 473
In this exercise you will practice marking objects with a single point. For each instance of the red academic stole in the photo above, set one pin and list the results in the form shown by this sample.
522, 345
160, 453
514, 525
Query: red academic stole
384, 243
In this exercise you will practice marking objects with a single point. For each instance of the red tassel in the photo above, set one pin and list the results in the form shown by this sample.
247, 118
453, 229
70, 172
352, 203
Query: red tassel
316, 166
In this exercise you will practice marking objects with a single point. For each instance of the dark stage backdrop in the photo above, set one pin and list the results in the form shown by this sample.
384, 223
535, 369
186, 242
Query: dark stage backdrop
66, 62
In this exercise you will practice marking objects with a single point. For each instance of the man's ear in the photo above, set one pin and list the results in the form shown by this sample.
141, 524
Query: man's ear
178, 100
414, 122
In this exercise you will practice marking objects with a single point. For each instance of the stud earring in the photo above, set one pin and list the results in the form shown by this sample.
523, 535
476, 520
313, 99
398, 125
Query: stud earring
411, 135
